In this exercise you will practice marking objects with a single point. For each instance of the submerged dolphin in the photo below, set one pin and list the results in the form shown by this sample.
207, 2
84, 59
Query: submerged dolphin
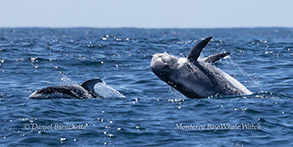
85, 90
196, 79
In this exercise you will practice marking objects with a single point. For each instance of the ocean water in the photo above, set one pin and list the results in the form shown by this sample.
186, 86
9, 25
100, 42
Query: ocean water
151, 113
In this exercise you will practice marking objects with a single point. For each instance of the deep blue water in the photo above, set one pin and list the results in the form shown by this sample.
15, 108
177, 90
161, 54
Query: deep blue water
151, 113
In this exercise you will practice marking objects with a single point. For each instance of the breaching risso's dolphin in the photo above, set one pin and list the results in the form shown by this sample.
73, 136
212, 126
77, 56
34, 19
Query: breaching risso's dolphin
85, 90
194, 78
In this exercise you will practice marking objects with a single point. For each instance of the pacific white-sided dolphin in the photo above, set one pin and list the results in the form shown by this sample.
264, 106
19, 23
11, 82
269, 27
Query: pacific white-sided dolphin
85, 90
194, 78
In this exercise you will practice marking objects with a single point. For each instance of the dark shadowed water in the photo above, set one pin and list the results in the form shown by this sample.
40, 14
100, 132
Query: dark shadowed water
151, 113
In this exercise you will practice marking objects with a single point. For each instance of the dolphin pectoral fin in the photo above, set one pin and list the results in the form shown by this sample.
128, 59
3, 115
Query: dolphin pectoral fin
196, 50
216, 57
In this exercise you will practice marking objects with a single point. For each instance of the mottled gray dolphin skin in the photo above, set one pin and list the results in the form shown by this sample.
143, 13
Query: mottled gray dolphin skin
85, 90
194, 78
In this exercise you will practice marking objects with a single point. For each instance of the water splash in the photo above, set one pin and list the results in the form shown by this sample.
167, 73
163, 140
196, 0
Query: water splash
106, 91
245, 74
64, 80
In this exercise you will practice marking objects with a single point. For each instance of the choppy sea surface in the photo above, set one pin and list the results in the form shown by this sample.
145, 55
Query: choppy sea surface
151, 113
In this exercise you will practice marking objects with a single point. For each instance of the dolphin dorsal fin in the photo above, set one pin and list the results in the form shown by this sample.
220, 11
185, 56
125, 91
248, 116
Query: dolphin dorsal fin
89, 86
216, 57
196, 50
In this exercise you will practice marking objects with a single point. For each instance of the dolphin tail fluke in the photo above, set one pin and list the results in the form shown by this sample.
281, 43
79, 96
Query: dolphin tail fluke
216, 57
196, 50
89, 86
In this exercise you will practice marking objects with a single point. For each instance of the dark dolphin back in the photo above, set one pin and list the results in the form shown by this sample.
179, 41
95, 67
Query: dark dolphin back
64, 91
89, 86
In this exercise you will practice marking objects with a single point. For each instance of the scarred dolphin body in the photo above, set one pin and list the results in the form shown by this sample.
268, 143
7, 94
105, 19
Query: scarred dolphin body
194, 78
85, 90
